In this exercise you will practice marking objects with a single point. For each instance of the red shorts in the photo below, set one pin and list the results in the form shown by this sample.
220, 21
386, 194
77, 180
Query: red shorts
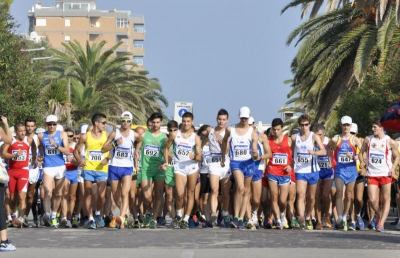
18, 180
379, 180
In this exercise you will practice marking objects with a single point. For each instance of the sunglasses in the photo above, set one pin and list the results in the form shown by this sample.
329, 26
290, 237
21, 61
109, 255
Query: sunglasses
126, 121
302, 125
70, 135
104, 122
51, 124
346, 124
172, 130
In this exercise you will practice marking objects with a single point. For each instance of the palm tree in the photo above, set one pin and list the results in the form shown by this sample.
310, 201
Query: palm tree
336, 51
103, 81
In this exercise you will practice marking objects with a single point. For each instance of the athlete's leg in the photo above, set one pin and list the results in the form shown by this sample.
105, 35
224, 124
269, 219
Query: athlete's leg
226, 186
256, 198
57, 194
291, 201
191, 185
239, 193
180, 185
48, 184
214, 183
385, 194
88, 199
301, 198
65, 200
246, 196
29, 198
71, 200
325, 203
158, 197
340, 188
101, 201
310, 201
348, 198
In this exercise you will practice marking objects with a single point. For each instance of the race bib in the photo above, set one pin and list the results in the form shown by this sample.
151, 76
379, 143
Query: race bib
122, 153
215, 158
50, 150
323, 162
279, 159
21, 157
375, 158
343, 158
183, 151
304, 158
95, 156
241, 152
151, 151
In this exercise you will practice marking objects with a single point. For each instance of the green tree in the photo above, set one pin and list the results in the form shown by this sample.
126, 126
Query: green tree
336, 51
102, 80
19, 84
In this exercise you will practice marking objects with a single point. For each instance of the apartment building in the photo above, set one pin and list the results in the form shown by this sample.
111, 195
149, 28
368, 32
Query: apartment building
80, 20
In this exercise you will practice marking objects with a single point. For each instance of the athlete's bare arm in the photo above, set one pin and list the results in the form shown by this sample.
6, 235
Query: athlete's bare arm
77, 151
108, 145
364, 151
267, 148
254, 145
41, 148
395, 151
321, 147
5, 153
138, 149
168, 144
197, 150
5, 133
65, 148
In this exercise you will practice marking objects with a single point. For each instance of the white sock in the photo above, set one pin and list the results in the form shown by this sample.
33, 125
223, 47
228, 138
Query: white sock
186, 218
97, 213
225, 213
53, 214
179, 213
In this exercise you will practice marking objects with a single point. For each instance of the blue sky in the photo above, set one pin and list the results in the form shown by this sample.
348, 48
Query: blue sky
214, 53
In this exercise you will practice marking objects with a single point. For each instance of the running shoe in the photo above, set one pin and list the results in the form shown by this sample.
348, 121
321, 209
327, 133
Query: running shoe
99, 221
241, 225
54, 223
75, 222
147, 218
214, 221
398, 225
63, 223
226, 221
161, 221
294, 224
91, 224
279, 225
184, 224
309, 225
343, 225
380, 228
7, 247
176, 224
112, 223
372, 224
235, 223
153, 224
395, 222
284, 221
352, 226
168, 220
319, 226
360, 223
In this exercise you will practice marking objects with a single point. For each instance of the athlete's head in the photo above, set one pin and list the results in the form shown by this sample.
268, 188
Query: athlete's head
203, 131
51, 122
320, 131
140, 131
20, 131
304, 123
222, 118
149, 123
346, 122
354, 129
172, 126
187, 121
126, 120
99, 121
377, 128
30, 125
70, 134
156, 119
244, 115
276, 127
77, 135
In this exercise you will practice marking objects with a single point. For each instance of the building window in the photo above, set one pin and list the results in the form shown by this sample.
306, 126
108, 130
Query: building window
67, 38
138, 43
138, 28
41, 22
94, 22
93, 37
122, 23
138, 60
67, 23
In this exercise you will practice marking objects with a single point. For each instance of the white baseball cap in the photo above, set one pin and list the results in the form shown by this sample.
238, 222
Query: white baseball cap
51, 118
251, 120
127, 114
244, 112
346, 120
354, 128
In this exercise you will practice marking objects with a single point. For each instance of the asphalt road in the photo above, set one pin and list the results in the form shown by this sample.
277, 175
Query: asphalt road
208, 243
